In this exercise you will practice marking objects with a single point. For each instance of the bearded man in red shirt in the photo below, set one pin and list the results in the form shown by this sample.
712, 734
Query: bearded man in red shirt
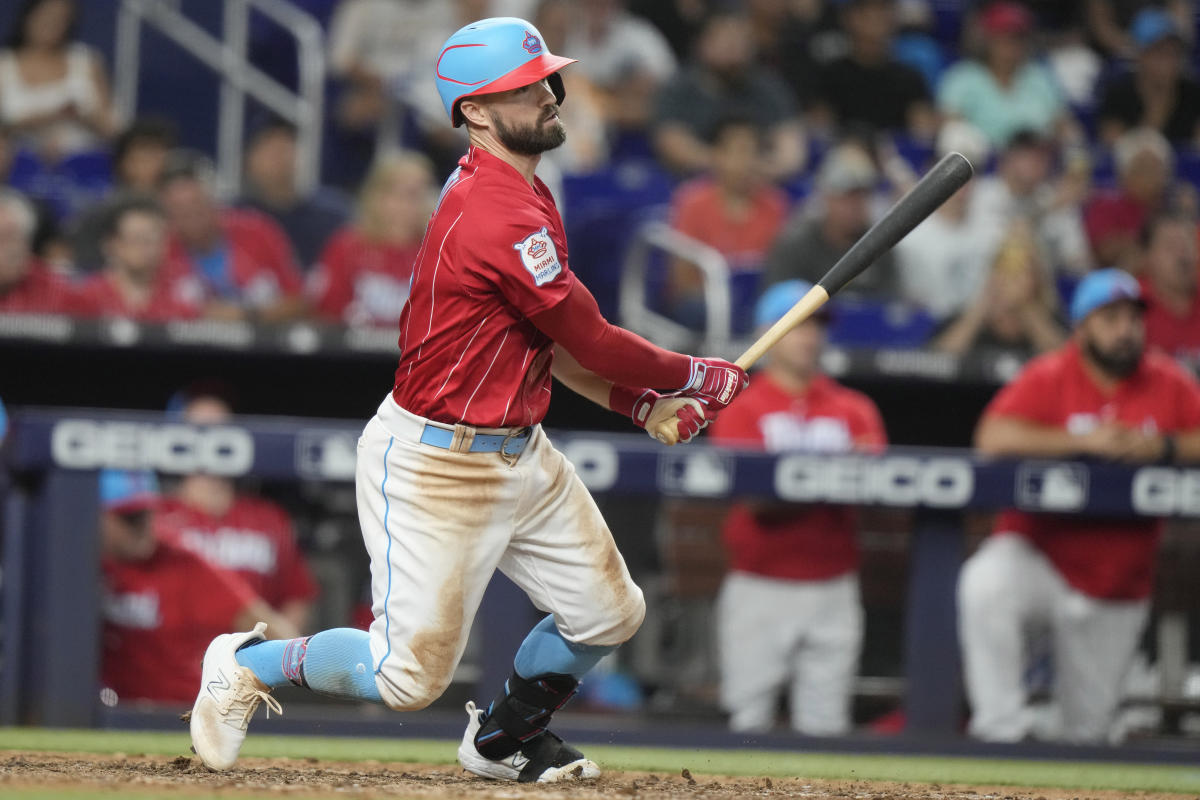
1087, 579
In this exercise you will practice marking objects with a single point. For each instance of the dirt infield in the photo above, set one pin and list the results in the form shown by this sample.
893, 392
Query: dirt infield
134, 775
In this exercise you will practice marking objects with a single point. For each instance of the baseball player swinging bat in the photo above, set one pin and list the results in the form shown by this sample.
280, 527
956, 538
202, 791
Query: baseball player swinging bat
947, 177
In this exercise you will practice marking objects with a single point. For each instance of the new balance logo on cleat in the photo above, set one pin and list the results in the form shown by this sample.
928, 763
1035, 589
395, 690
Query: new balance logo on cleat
546, 759
218, 685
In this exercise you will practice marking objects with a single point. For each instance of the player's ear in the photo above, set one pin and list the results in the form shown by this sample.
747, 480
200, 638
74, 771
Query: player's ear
474, 112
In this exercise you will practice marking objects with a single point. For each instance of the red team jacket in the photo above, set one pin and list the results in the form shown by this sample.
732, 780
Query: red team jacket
361, 282
478, 278
159, 616
175, 296
1103, 558
39, 292
810, 542
254, 540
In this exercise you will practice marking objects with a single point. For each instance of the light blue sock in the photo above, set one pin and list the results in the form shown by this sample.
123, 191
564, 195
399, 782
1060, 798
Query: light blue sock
545, 651
336, 662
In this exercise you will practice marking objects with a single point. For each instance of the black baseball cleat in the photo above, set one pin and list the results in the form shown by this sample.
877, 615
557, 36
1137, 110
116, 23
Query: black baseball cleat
546, 759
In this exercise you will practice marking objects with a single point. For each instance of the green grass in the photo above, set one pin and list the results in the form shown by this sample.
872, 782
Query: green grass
917, 769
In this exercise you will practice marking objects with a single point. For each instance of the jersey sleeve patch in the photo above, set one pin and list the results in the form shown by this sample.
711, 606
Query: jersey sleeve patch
539, 256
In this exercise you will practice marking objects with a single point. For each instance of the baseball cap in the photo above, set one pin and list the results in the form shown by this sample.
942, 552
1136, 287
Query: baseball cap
1151, 26
1004, 17
778, 299
123, 491
1102, 287
846, 169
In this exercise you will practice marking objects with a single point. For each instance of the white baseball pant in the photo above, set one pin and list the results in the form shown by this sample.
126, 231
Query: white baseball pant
1008, 588
804, 636
438, 523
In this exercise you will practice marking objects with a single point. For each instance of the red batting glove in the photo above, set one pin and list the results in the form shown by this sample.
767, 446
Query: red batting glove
642, 406
715, 382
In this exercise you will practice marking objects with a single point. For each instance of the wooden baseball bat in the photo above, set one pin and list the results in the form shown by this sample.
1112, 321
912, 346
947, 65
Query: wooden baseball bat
943, 180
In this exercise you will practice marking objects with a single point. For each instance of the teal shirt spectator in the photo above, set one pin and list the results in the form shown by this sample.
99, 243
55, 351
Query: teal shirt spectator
1033, 101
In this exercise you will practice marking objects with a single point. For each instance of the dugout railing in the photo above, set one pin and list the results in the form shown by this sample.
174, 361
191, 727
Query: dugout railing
50, 587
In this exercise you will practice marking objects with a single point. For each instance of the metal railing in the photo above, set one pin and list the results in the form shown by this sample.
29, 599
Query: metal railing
239, 78
635, 307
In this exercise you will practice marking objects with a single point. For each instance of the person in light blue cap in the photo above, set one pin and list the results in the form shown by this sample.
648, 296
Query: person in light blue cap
1158, 93
1087, 578
789, 617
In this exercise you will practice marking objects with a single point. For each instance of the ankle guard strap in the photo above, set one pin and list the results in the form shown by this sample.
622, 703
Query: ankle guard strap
522, 712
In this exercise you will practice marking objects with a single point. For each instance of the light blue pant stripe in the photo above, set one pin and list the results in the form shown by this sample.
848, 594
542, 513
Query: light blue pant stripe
387, 622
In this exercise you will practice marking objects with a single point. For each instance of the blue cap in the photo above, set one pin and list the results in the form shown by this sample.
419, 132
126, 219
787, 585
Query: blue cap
1151, 26
777, 300
1102, 287
123, 491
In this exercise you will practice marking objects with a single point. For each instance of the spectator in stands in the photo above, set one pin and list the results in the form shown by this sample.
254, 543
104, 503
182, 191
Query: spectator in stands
722, 81
623, 56
735, 210
789, 616
1088, 579
162, 604
1169, 286
867, 89
363, 274
137, 282
1015, 309
53, 90
1004, 90
139, 156
241, 257
832, 220
1114, 219
26, 284
248, 535
944, 262
1109, 23
1024, 188
309, 220
140, 153
1157, 94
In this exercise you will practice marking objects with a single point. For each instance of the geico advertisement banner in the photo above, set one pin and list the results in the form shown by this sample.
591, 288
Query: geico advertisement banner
92, 444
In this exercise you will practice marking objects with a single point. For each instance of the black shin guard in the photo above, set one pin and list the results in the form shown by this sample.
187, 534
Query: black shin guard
521, 713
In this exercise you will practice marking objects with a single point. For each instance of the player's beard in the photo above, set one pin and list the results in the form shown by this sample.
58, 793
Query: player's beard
1118, 361
532, 140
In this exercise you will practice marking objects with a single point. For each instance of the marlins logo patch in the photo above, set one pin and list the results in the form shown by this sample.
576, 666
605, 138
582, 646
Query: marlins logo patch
532, 44
539, 256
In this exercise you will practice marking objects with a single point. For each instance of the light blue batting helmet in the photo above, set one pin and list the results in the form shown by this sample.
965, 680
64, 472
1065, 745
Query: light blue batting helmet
495, 55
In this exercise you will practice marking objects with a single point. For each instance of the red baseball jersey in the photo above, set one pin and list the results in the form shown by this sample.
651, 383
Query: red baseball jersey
1110, 559
1175, 335
261, 263
494, 254
174, 296
811, 542
358, 281
39, 292
254, 540
159, 616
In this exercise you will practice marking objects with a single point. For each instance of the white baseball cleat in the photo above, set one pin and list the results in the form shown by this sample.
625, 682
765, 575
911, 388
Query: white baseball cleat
546, 759
229, 695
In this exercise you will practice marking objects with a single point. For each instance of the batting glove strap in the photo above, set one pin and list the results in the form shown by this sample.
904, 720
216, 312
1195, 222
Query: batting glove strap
715, 382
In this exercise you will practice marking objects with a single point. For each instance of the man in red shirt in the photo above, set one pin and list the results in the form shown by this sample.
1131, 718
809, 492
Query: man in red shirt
1169, 285
137, 282
1114, 219
1088, 579
241, 257
162, 604
240, 532
735, 211
456, 478
789, 614
27, 286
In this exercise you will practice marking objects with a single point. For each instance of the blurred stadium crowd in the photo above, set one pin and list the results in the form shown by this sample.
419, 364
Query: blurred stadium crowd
771, 132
